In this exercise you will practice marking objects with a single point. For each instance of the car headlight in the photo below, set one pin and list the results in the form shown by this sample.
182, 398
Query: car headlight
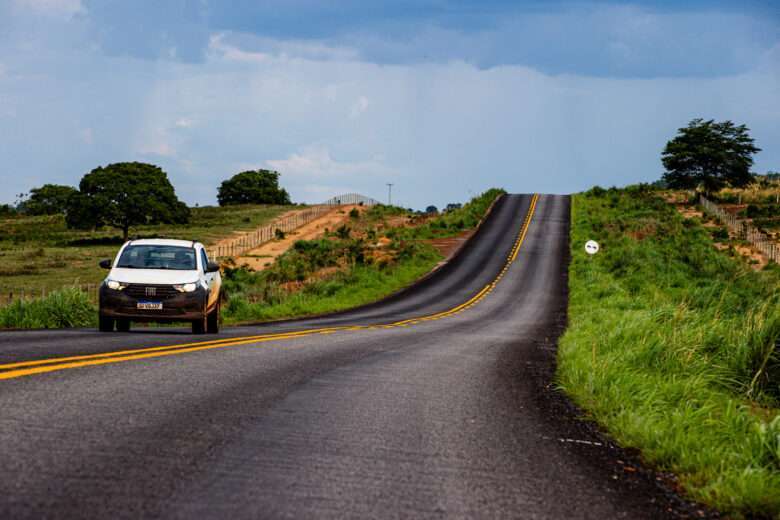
186, 287
113, 284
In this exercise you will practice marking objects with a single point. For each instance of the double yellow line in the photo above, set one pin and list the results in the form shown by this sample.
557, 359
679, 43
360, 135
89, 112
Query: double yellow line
28, 368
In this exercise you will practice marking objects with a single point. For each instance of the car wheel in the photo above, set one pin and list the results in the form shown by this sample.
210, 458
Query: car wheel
105, 324
123, 325
199, 326
213, 321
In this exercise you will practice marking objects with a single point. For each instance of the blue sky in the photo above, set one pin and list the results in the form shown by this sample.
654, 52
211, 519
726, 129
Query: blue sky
442, 98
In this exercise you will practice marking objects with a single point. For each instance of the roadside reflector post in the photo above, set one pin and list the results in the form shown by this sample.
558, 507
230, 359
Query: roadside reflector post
591, 248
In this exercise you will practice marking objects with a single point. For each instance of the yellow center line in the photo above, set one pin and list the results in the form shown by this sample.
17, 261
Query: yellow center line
283, 335
26, 368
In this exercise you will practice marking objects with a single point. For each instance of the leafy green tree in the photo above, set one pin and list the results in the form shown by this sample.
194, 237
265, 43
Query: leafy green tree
123, 195
709, 155
253, 187
49, 199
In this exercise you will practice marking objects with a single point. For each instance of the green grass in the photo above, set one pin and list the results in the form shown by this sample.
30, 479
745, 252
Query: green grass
451, 223
41, 253
360, 285
60, 309
671, 345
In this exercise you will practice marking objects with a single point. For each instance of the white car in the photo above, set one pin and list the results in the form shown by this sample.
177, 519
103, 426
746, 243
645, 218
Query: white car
161, 280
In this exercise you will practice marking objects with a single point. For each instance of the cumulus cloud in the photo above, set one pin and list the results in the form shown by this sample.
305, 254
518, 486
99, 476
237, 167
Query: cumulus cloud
313, 172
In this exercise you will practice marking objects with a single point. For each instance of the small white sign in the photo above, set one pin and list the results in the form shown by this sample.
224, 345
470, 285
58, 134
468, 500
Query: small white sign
591, 247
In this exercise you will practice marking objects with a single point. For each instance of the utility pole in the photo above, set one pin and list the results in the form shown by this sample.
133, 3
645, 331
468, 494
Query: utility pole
389, 193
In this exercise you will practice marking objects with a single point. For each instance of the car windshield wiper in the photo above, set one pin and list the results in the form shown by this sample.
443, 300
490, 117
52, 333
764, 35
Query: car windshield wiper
126, 266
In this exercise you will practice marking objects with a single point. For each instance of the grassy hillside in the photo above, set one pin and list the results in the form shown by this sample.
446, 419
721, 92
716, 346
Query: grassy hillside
671, 346
381, 251
40, 252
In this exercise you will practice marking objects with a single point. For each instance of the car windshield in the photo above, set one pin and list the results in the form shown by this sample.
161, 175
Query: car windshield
158, 257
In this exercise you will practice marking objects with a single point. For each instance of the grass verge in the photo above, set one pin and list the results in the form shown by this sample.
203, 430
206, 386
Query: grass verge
60, 309
671, 346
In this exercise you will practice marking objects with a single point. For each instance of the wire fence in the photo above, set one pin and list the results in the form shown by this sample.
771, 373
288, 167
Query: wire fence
351, 199
743, 230
248, 241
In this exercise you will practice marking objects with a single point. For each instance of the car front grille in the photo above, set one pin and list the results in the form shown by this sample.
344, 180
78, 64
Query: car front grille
151, 292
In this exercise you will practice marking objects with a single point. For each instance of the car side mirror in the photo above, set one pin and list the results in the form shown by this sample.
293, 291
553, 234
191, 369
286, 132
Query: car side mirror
105, 264
212, 267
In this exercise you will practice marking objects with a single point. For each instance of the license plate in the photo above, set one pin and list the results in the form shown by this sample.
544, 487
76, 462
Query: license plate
151, 306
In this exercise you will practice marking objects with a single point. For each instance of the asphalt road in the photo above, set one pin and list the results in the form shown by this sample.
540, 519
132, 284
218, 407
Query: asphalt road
369, 413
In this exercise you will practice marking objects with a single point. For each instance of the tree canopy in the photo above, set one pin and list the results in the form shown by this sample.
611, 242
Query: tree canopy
123, 195
49, 199
710, 155
253, 187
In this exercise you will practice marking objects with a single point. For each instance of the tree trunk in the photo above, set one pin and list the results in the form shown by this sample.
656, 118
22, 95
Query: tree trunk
125, 231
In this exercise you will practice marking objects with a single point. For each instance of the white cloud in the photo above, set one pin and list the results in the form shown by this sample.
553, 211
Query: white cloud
162, 149
313, 175
360, 106
184, 122
316, 161
218, 48
254, 49
437, 131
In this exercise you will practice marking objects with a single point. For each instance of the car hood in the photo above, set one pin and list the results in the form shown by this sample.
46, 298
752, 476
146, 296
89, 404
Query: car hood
152, 276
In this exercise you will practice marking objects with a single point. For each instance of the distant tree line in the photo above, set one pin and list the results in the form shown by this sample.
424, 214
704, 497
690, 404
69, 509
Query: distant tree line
123, 195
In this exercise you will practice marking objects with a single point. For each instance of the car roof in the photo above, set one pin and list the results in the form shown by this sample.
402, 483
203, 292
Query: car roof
163, 242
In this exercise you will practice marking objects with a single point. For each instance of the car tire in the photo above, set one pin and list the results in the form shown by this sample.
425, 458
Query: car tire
212, 325
105, 324
123, 325
200, 326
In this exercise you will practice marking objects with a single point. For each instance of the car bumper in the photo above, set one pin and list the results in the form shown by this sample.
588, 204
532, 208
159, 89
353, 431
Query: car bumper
180, 307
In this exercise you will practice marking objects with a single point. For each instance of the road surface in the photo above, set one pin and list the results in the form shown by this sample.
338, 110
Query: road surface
434, 403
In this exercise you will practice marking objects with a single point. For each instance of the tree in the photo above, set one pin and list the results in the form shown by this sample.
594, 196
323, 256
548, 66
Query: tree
252, 187
709, 155
49, 199
431, 209
6, 210
123, 195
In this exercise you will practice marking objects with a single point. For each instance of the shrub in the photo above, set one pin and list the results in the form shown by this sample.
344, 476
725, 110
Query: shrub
720, 233
343, 232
